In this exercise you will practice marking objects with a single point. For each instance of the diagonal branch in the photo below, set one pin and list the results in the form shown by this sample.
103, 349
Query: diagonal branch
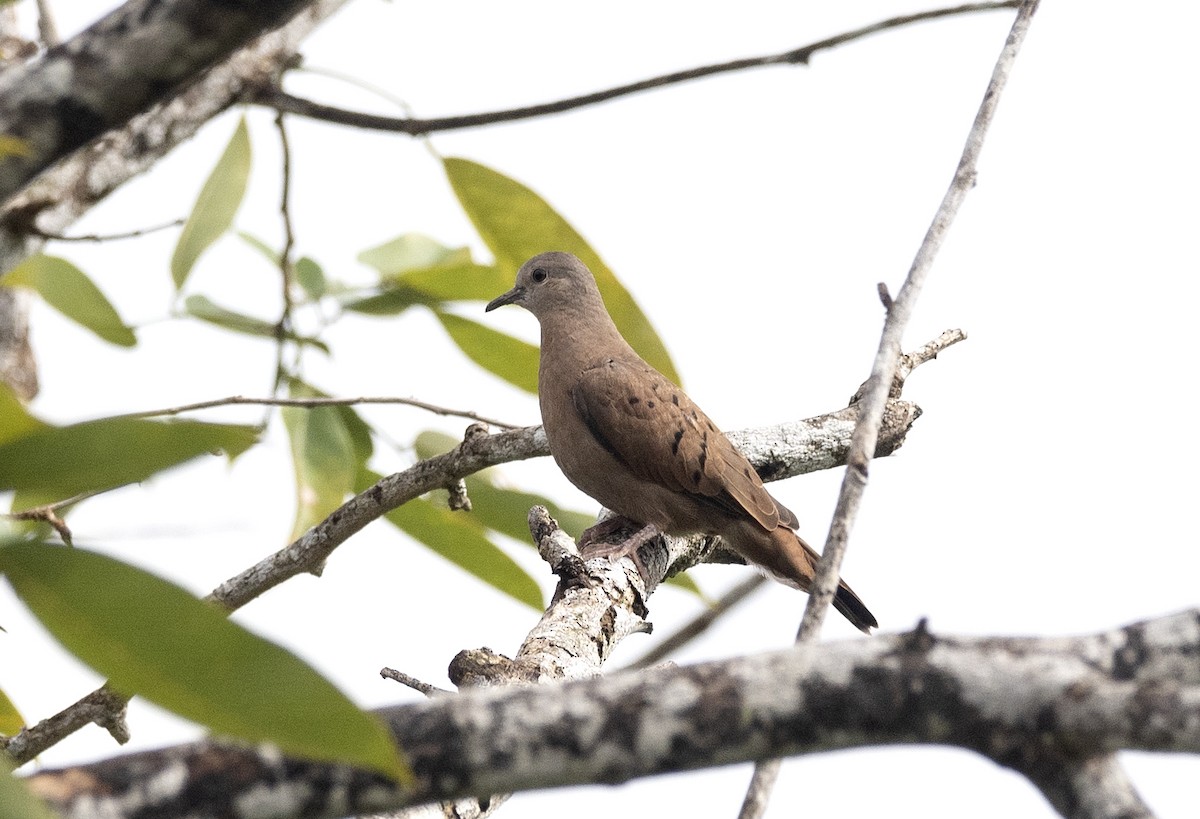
278, 99
876, 390
801, 446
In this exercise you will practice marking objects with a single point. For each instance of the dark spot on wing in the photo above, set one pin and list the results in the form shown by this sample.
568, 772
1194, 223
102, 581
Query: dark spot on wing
633, 399
675, 443
650, 404
675, 399
696, 477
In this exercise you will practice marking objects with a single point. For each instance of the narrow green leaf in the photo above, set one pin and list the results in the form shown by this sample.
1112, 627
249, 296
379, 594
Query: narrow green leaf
510, 358
11, 720
461, 540
206, 309
153, 638
64, 461
412, 251
216, 206
517, 223
390, 299
15, 421
69, 291
470, 282
310, 277
265, 250
324, 459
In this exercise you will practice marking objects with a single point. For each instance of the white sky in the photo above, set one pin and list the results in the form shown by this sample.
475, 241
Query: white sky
1045, 491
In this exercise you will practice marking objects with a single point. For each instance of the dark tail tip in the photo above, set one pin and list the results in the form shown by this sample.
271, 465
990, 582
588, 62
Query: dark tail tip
854, 610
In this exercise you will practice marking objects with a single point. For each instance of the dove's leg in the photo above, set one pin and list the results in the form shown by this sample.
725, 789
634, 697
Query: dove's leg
592, 541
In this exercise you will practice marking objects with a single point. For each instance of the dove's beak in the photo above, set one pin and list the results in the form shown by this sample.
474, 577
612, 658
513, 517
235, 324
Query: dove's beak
514, 296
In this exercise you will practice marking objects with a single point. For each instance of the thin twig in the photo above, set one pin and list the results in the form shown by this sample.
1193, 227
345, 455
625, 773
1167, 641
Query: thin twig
104, 237
283, 328
47, 31
701, 623
875, 396
321, 402
281, 101
425, 688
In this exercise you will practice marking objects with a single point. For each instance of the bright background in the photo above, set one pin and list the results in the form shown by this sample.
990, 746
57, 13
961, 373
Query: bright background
1047, 490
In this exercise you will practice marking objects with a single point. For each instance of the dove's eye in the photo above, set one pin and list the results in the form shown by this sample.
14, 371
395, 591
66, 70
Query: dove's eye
538, 275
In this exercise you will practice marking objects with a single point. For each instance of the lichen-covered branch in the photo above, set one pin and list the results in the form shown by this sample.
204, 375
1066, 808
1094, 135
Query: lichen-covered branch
1062, 704
139, 54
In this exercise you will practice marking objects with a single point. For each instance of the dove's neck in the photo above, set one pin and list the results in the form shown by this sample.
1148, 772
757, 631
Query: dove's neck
580, 336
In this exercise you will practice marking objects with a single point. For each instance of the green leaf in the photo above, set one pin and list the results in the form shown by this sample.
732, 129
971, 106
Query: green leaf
64, 461
516, 224
310, 277
324, 459
389, 300
269, 253
69, 291
16, 800
15, 422
216, 206
510, 358
153, 638
412, 251
206, 309
11, 721
471, 282
461, 540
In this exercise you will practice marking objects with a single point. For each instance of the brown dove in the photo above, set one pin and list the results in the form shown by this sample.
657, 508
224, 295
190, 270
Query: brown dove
630, 438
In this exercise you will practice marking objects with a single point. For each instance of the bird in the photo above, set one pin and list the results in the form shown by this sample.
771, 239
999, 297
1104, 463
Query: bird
630, 438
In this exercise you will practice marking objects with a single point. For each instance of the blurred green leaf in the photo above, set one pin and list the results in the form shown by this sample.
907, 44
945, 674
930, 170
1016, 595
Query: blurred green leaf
15, 421
153, 638
461, 540
517, 224
470, 282
324, 459
16, 800
63, 461
510, 358
11, 720
412, 251
206, 309
269, 253
216, 205
310, 277
69, 291
389, 299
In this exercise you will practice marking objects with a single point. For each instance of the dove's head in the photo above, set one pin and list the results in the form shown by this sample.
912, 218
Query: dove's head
552, 283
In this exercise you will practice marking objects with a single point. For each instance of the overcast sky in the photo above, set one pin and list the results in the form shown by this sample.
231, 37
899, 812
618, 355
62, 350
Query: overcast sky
1048, 489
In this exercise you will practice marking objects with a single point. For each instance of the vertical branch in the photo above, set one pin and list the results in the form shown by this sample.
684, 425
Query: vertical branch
875, 393
286, 268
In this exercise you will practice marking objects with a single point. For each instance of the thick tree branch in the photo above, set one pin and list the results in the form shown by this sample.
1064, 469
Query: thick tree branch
67, 190
139, 54
1063, 705
278, 99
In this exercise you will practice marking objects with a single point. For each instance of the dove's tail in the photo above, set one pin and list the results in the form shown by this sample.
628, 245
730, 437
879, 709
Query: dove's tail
795, 564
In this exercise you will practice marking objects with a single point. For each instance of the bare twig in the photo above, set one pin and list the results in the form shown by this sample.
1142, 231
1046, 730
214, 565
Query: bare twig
321, 402
428, 689
283, 327
279, 100
701, 623
47, 31
883, 372
105, 237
